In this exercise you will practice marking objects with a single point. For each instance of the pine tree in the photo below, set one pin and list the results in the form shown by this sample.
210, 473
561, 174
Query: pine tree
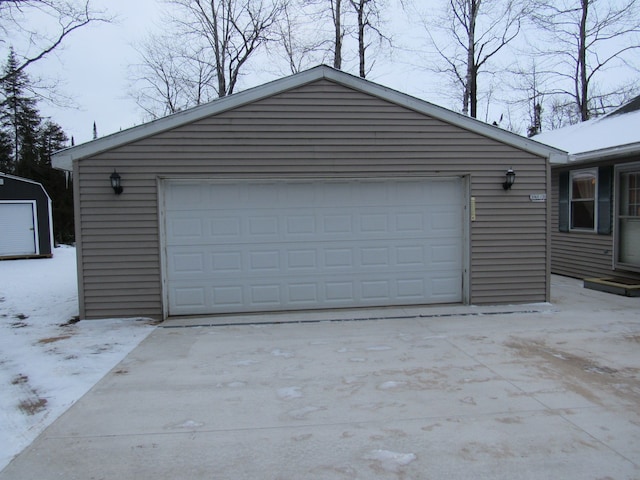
52, 138
19, 117
6, 152
27, 142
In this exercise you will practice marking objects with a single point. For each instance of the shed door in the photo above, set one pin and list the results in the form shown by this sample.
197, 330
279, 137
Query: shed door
251, 246
17, 224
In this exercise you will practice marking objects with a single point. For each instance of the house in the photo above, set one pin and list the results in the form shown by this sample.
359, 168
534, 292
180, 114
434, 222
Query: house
596, 201
320, 190
26, 225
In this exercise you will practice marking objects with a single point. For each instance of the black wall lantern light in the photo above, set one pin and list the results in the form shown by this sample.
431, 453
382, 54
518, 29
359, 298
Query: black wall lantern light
115, 182
510, 179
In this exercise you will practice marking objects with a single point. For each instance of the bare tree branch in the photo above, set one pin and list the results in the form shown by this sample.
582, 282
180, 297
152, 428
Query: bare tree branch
480, 30
590, 36
63, 18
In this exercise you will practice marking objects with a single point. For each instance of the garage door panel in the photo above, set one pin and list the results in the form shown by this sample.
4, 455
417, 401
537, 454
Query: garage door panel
226, 262
412, 289
374, 223
267, 295
266, 227
300, 226
442, 287
188, 263
254, 246
222, 229
265, 261
319, 261
228, 296
448, 253
302, 259
303, 294
17, 228
189, 298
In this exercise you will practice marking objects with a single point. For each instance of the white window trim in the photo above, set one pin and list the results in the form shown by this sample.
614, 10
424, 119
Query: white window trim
572, 173
620, 169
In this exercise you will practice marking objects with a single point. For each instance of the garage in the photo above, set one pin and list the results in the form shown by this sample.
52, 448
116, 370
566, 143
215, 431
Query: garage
25, 218
269, 245
317, 191
18, 229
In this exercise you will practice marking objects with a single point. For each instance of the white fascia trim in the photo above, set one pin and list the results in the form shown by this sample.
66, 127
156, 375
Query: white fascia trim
561, 159
606, 153
64, 159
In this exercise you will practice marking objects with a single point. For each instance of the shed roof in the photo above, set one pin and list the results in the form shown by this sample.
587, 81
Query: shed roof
25, 180
613, 135
64, 158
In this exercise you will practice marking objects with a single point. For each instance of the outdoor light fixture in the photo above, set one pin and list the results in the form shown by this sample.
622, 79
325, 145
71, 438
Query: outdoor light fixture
115, 183
511, 178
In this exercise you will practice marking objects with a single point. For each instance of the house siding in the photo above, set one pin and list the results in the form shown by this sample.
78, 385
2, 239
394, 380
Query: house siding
322, 129
582, 254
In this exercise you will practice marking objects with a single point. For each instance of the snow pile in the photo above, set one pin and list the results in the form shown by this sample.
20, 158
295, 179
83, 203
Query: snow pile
48, 360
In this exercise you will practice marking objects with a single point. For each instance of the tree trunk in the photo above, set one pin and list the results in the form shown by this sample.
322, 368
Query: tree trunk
470, 103
473, 92
582, 93
337, 53
360, 6
218, 50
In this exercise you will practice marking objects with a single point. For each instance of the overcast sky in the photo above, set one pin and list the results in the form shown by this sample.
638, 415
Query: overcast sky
93, 68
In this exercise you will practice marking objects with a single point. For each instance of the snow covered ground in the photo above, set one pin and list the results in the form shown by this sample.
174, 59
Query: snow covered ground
48, 360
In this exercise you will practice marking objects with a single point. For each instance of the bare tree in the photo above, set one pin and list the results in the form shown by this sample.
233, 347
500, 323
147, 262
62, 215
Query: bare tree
336, 14
32, 42
468, 37
330, 12
300, 42
201, 57
312, 31
368, 19
169, 78
226, 33
586, 38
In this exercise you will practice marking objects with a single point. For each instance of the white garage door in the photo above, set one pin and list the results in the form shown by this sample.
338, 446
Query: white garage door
289, 245
17, 224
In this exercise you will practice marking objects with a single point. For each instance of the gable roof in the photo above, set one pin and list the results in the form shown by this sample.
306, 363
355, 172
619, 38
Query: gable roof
64, 158
613, 135
25, 180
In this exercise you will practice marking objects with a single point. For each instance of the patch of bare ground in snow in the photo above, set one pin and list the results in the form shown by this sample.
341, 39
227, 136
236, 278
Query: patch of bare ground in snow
31, 406
47, 340
30, 402
580, 375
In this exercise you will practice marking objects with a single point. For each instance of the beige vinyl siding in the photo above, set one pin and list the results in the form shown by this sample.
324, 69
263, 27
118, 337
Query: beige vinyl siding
581, 254
322, 129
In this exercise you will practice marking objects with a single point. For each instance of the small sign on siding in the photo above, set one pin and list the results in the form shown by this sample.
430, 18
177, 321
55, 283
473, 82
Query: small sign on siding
538, 197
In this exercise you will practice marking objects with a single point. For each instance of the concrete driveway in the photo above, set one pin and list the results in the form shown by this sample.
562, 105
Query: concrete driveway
522, 392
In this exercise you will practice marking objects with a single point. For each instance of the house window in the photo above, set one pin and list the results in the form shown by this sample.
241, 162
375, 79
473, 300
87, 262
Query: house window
583, 199
628, 241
